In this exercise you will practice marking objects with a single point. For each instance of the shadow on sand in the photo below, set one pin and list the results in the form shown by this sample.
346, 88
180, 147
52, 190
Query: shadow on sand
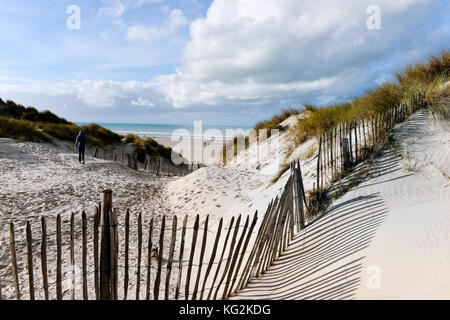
325, 260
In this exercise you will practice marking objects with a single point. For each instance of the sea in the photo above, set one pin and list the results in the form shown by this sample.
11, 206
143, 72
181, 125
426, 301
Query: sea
196, 130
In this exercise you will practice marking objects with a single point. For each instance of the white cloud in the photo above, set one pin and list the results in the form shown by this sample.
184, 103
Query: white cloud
142, 102
141, 33
257, 50
99, 93
143, 2
256, 53
114, 8
177, 19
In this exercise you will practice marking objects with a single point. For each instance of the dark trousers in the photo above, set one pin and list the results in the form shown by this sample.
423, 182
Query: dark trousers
81, 153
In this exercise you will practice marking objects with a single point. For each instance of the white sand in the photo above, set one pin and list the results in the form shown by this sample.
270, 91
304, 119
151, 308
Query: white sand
388, 209
386, 239
40, 179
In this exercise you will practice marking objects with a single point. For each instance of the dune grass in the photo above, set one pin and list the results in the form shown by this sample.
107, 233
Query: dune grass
28, 124
148, 146
275, 121
425, 79
16, 111
21, 130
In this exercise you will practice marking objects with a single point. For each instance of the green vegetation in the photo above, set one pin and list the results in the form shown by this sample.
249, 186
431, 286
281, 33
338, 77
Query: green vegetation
16, 111
430, 80
148, 146
426, 79
275, 121
21, 130
28, 124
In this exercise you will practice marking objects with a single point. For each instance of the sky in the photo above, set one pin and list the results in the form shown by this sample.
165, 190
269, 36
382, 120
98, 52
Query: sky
225, 62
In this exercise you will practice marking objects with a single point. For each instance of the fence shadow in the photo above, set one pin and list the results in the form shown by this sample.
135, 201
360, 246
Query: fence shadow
325, 260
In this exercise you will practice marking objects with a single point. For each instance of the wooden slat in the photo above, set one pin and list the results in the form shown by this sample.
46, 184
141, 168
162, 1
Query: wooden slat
318, 163
72, 254
276, 251
273, 232
170, 259
105, 246
234, 259
212, 257
126, 276
230, 255
160, 259
58, 258
180, 260
355, 125
149, 259
244, 248
191, 258
95, 239
84, 254
331, 155
12, 245
44, 257
276, 234
200, 262
15, 272
29, 240
298, 201
115, 260
225, 243
252, 260
138, 262
262, 255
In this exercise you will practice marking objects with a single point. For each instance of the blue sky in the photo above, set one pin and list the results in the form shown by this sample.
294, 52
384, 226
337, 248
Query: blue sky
221, 61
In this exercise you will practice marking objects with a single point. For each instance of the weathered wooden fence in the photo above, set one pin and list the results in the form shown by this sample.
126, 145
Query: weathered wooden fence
171, 262
348, 143
155, 164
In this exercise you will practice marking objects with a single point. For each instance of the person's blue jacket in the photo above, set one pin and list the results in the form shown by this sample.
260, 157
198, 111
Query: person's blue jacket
81, 140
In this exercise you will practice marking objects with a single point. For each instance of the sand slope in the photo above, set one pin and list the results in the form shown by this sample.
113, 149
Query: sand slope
39, 179
388, 238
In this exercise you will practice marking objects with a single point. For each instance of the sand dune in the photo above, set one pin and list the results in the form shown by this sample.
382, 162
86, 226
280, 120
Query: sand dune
385, 239
41, 179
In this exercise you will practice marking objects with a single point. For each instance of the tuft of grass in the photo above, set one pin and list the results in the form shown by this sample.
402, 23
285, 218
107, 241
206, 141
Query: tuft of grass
309, 152
275, 121
21, 130
16, 111
103, 135
148, 146
283, 168
66, 132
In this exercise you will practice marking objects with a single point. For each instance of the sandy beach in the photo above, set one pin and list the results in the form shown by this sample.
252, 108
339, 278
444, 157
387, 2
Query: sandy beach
385, 239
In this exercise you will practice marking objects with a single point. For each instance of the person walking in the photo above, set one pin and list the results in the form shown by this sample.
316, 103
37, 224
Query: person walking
81, 143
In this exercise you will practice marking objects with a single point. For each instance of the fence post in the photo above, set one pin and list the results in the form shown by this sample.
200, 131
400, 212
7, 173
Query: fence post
318, 162
105, 247
346, 153
114, 253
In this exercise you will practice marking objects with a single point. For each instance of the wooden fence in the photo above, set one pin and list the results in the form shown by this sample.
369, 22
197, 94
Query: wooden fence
348, 143
174, 262
171, 262
155, 164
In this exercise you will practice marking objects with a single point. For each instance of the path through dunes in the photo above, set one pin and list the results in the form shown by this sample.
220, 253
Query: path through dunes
391, 230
